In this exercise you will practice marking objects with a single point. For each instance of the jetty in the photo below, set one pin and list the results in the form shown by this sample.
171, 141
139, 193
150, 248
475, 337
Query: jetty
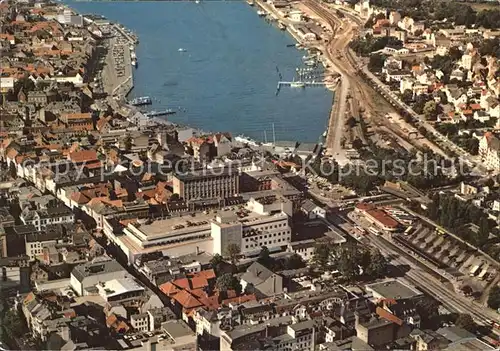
301, 83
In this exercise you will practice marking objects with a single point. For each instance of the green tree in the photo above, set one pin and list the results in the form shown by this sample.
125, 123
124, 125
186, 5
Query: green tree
466, 322
376, 62
294, 262
321, 256
233, 252
483, 233
378, 264
13, 324
265, 258
357, 144
348, 262
407, 96
228, 282
427, 309
12, 170
494, 298
216, 262
351, 122
430, 110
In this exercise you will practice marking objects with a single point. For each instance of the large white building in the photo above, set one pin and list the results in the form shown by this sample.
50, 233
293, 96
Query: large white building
261, 222
489, 151
89, 275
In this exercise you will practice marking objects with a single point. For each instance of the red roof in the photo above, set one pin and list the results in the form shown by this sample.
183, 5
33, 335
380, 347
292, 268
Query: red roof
79, 198
388, 315
362, 206
382, 217
83, 156
186, 300
169, 289
182, 283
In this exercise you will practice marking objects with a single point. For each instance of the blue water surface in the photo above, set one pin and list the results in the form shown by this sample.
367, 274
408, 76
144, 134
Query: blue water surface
226, 79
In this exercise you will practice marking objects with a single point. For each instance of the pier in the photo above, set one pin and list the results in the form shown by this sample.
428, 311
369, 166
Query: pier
126, 35
301, 83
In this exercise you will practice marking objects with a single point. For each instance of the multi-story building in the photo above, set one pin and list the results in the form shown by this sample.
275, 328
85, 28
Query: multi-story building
489, 150
263, 222
282, 333
36, 243
88, 275
207, 183
52, 215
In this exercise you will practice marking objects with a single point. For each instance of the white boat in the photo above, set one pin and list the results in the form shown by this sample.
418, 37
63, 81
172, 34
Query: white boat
197, 1
297, 85
182, 50
246, 140
310, 63
134, 62
261, 13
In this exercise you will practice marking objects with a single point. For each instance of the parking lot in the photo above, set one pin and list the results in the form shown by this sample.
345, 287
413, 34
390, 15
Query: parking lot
117, 73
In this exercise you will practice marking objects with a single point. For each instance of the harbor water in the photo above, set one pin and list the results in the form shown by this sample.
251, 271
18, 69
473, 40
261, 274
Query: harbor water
225, 77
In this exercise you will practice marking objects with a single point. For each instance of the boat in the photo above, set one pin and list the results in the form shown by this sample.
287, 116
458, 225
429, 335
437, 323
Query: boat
182, 50
140, 101
166, 112
250, 2
261, 13
281, 25
310, 63
297, 84
308, 57
246, 140
134, 62
197, 1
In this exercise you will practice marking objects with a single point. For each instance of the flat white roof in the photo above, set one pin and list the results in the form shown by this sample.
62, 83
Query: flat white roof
117, 287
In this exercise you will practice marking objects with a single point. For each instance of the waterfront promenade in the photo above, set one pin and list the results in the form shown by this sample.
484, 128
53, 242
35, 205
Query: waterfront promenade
117, 75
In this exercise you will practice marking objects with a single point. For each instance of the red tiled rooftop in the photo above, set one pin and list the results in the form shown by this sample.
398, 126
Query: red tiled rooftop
83, 156
186, 300
382, 217
169, 289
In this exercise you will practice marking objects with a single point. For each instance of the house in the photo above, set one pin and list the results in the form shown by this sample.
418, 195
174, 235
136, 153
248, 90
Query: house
312, 211
304, 248
428, 340
455, 95
262, 279
201, 148
396, 75
295, 15
481, 116
6, 84
222, 143
44, 217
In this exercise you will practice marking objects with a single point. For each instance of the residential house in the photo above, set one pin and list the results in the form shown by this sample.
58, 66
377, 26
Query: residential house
262, 279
